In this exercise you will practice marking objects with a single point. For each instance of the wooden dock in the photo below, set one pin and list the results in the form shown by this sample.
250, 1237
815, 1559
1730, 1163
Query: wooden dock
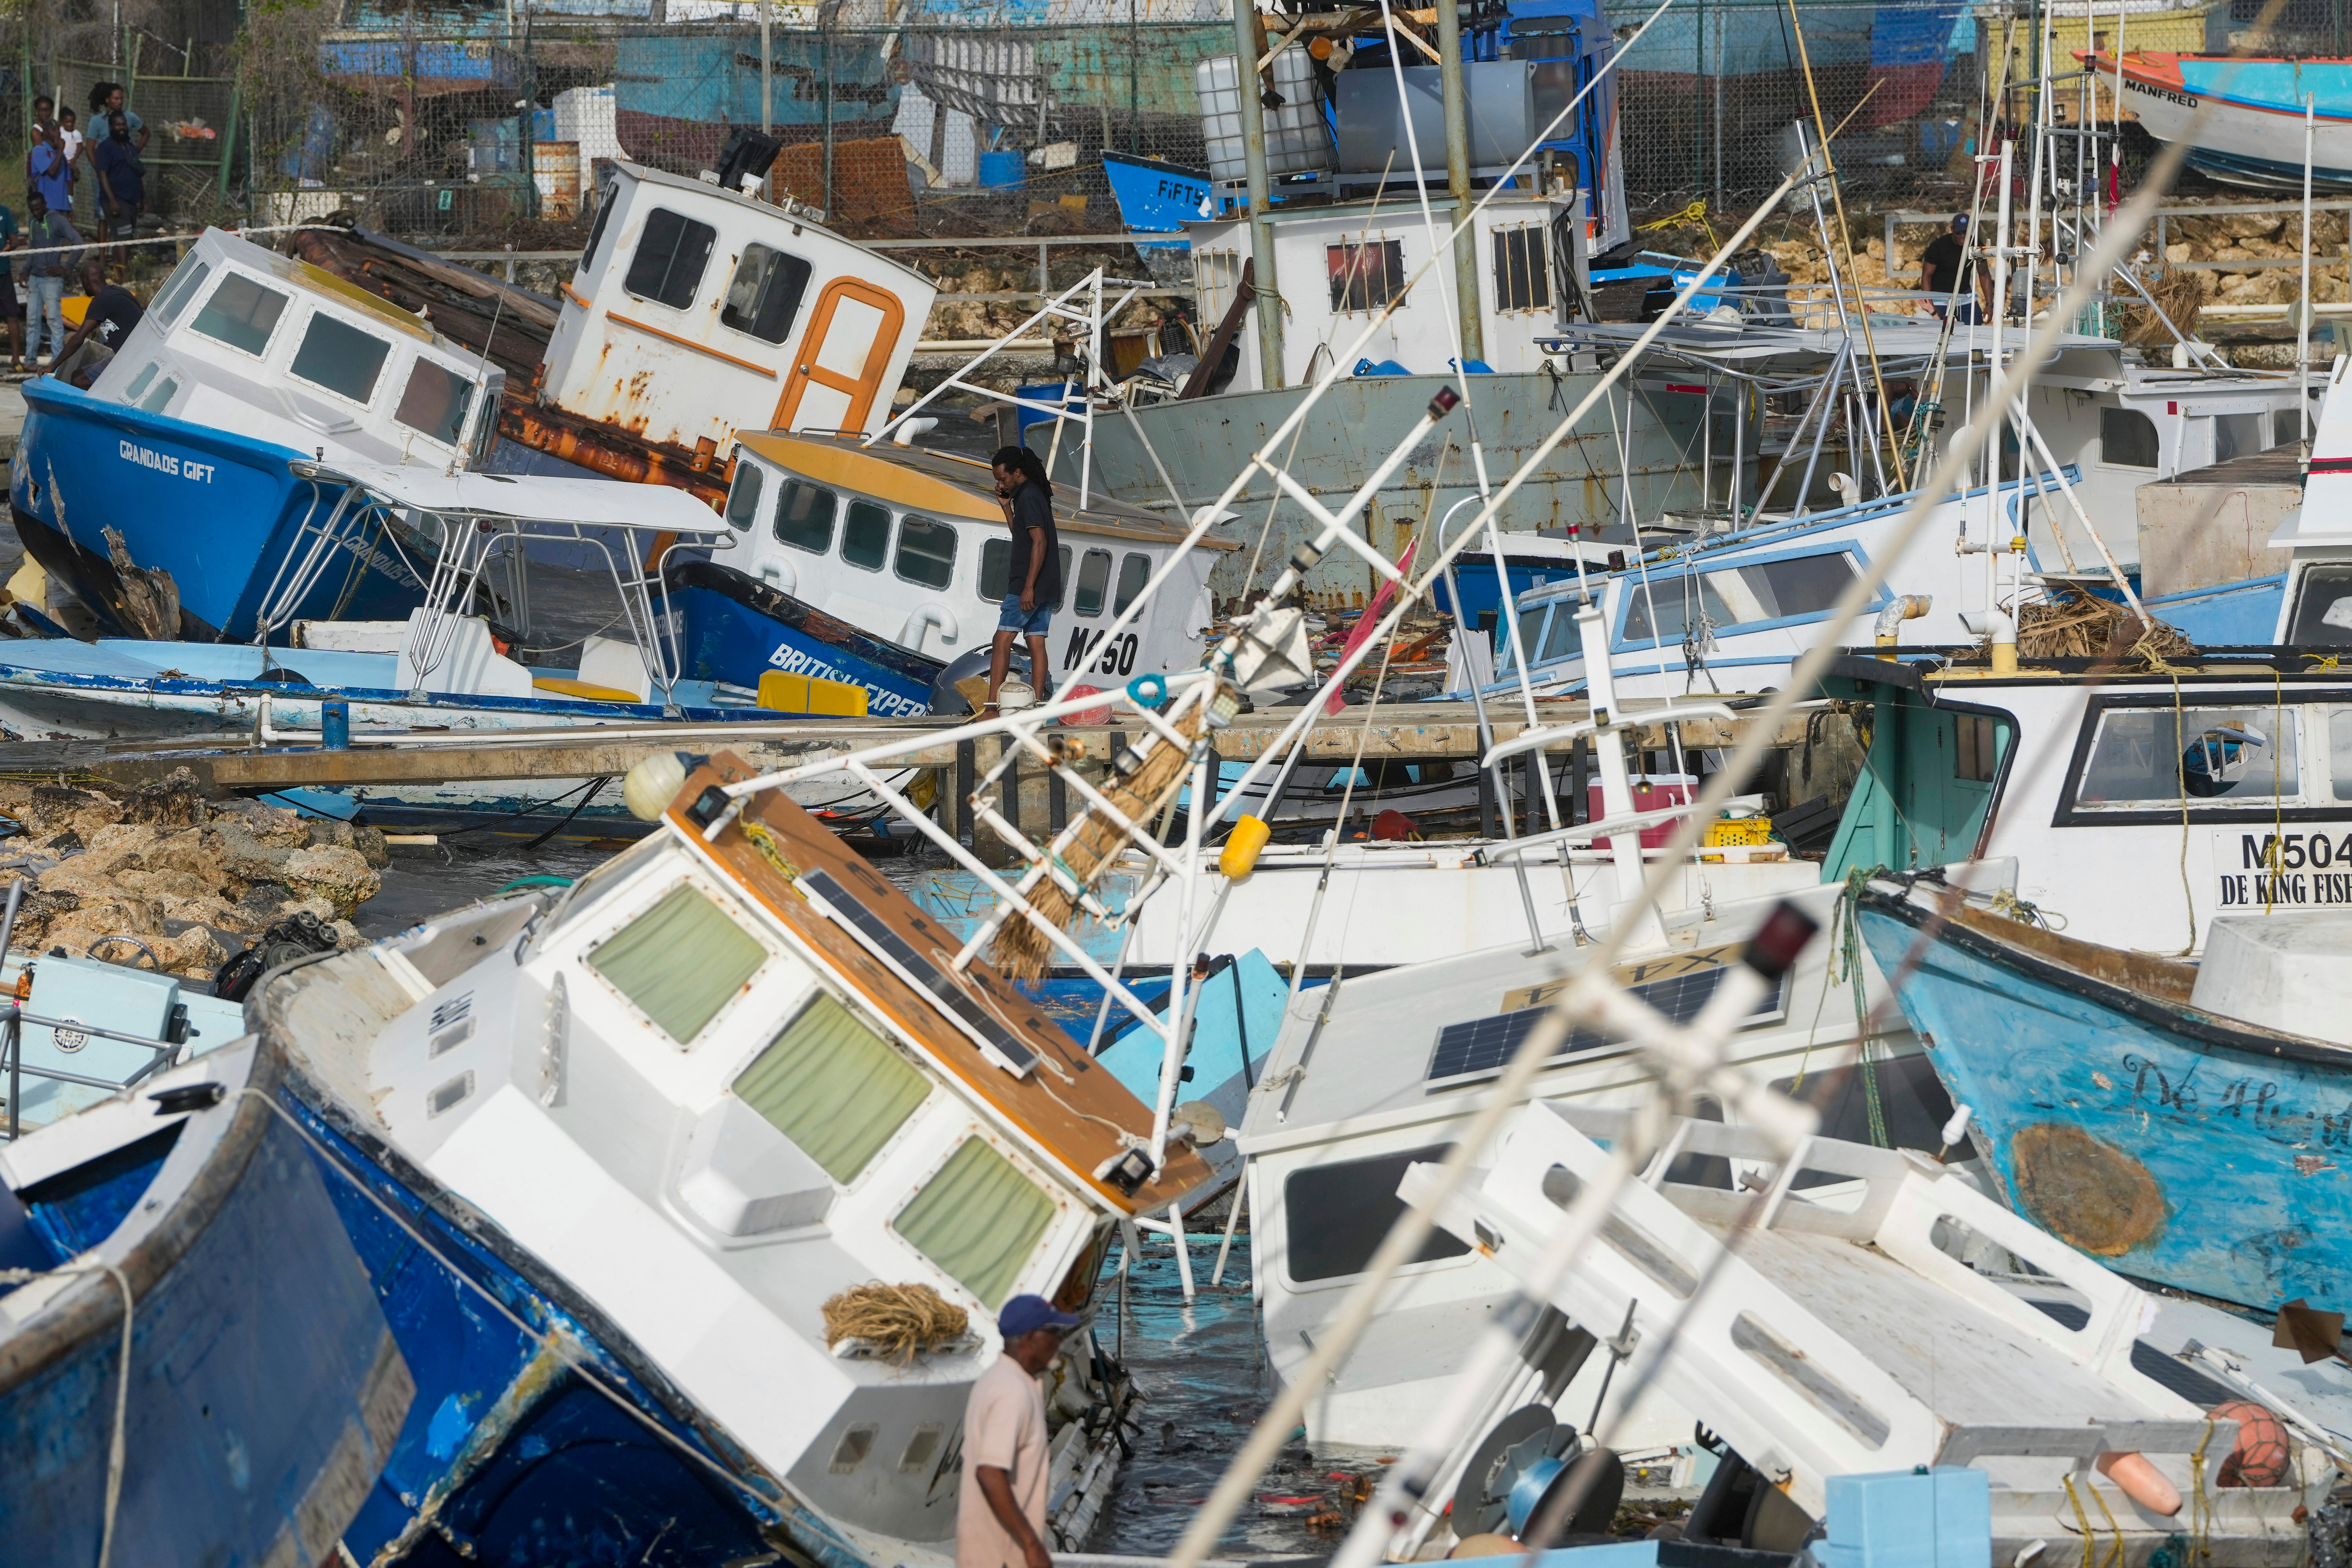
238, 765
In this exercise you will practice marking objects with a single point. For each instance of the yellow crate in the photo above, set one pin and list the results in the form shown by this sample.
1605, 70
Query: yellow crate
1739, 830
788, 693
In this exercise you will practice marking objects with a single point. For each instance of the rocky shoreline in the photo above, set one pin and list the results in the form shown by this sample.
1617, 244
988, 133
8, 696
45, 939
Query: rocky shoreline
190, 881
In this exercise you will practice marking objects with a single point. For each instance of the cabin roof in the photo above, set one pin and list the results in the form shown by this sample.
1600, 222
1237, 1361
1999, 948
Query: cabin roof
769, 212
1070, 1105
302, 274
944, 485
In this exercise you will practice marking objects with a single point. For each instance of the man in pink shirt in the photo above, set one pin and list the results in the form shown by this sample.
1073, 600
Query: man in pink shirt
1000, 1504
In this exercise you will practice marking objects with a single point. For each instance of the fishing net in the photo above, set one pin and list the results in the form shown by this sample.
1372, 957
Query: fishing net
2071, 624
1022, 951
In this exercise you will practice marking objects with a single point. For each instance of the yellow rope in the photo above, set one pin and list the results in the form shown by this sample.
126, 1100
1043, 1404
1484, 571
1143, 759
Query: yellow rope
2115, 1555
2080, 1517
2200, 1513
1694, 213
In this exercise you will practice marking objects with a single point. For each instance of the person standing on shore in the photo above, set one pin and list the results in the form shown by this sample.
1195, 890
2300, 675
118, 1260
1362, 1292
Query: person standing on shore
1001, 1506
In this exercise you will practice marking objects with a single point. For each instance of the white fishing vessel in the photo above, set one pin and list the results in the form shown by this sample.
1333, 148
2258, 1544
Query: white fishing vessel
1888, 1319
656, 1125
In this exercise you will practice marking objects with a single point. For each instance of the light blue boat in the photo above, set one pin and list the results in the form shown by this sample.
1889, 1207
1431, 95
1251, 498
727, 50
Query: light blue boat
2180, 1146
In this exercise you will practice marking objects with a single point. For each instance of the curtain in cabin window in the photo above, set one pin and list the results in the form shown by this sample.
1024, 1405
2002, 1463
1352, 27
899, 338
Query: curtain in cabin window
680, 961
833, 1087
977, 1219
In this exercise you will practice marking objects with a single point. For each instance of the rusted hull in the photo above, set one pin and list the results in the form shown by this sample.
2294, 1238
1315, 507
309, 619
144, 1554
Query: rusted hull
2172, 1145
614, 453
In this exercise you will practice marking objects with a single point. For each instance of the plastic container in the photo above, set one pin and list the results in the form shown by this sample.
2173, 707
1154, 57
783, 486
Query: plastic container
1003, 171
335, 726
1297, 141
1240, 855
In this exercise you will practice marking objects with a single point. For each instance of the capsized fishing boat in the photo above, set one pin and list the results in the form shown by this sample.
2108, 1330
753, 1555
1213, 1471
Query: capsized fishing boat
2254, 126
169, 495
179, 1220
883, 568
1837, 1311
2183, 1121
638, 1136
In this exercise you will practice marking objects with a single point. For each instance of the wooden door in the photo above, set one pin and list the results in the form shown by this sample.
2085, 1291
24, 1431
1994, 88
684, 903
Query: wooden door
842, 355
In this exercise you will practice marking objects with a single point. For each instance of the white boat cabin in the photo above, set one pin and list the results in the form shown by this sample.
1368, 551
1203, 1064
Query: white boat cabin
913, 548
243, 339
1337, 267
697, 311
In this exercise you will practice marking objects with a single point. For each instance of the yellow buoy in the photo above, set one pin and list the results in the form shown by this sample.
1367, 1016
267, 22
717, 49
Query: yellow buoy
1240, 856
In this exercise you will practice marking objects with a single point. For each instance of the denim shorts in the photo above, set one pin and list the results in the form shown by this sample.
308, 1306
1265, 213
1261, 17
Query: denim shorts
1011, 618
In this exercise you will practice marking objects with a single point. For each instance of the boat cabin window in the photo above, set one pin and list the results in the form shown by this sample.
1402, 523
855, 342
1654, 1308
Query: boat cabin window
743, 496
595, 238
139, 383
179, 289
1799, 588
2238, 435
241, 313
804, 516
979, 1219
1522, 280
2127, 438
667, 266
1133, 573
2339, 753
1365, 277
680, 961
2144, 756
159, 398
834, 1087
1093, 576
925, 550
996, 572
433, 403
865, 535
1559, 637
1335, 1217
764, 298
2323, 608
340, 357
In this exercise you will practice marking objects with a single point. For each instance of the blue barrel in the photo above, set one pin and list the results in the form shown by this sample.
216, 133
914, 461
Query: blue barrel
1000, 171
335, 726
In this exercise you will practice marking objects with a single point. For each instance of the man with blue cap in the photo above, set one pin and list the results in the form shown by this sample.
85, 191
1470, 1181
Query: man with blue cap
1000, 1504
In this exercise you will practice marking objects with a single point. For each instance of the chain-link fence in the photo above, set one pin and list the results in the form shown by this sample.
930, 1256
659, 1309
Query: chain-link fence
907, 118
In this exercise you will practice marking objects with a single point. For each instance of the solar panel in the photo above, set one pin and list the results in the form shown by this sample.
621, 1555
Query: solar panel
1012, 1051
1478, 1048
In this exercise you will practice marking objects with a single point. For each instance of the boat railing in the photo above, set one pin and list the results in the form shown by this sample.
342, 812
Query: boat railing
17, 1018
317, 543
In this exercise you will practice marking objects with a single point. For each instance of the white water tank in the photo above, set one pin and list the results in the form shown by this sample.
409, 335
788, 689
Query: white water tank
2287, 971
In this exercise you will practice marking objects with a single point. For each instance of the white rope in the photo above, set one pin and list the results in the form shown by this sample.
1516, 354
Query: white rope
162, 239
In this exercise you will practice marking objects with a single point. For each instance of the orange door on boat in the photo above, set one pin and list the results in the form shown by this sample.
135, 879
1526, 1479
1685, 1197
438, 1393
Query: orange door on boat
838, 373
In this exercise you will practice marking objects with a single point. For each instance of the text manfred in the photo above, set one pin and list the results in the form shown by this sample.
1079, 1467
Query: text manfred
165, 463
797, 661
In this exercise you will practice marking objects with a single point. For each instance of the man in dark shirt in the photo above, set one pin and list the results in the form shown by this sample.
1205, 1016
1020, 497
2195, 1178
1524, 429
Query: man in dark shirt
1036, 583
1940, 266
121, 179
112, 312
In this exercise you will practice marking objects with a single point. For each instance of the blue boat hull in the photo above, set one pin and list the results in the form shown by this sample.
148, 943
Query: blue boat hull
2172, 1145
736, 629
531, 1440
218, 512
263, 1382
